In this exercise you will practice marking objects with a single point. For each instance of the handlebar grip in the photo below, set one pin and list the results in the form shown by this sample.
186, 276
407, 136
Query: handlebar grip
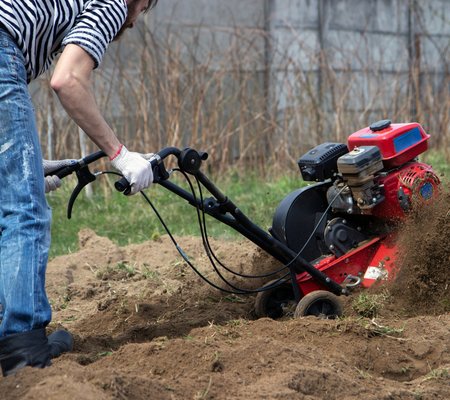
122, 185
65, 171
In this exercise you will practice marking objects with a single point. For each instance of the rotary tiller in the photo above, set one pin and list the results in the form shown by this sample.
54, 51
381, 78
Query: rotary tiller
332, 236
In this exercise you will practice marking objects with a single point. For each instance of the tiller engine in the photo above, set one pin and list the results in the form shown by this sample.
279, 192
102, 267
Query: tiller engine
345, 223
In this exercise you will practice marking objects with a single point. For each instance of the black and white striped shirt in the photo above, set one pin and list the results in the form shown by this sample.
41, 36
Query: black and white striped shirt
41, 28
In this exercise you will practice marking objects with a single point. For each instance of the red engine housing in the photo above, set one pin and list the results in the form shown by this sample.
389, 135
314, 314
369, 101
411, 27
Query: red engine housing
401, 180
398, 143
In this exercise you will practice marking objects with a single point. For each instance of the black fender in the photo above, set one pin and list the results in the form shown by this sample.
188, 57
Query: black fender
296, 217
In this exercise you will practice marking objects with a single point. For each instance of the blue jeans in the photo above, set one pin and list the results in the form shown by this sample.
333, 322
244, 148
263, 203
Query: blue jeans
24, 214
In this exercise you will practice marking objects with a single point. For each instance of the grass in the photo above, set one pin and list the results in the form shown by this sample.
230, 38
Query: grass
369, 305
375, 329
440, 373
439, 162
128, 220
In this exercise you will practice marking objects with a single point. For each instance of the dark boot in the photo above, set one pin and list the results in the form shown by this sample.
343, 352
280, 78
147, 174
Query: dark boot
60, 342
32, 349
22, 349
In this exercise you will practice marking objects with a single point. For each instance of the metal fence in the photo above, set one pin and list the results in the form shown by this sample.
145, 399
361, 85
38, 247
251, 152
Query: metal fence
257, 82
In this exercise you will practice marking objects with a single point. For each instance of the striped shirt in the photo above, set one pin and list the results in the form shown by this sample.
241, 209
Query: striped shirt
41, 28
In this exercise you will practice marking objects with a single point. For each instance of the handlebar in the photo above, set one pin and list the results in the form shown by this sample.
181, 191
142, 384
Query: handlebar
77, 165
89, 159
189, 160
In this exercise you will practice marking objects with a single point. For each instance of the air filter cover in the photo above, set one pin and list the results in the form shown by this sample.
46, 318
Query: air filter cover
320, 163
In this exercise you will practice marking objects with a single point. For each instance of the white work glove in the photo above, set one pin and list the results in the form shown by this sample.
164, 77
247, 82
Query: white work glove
135, 168
53, 182
147, 156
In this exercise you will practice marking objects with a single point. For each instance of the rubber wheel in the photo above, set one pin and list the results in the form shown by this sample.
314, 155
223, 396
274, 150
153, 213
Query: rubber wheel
272, 303
320, 303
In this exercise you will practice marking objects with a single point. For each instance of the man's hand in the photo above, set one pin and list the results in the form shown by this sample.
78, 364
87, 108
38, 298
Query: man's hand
52, 182
135, 168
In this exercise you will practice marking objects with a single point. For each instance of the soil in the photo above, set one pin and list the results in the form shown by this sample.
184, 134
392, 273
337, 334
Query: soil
147, 327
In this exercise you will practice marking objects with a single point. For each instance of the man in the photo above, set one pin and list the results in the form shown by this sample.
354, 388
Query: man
32, 33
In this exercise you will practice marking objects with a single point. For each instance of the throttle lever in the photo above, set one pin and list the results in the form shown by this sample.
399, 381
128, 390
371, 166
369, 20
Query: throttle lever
85, 177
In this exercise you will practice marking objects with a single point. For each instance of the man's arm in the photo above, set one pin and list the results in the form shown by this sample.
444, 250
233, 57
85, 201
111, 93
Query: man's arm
72, 82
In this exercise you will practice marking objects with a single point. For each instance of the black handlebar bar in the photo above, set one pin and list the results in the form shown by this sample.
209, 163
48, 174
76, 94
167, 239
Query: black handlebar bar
189, 160
77, 165
84, 175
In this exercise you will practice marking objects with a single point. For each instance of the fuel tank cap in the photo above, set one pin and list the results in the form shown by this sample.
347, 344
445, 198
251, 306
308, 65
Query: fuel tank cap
380, 125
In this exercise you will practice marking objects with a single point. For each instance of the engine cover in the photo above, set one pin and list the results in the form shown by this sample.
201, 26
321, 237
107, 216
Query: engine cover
301, 214
398, 143
413, 184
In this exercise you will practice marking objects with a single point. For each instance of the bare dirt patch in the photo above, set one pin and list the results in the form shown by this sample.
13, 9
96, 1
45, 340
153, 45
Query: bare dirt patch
147, 327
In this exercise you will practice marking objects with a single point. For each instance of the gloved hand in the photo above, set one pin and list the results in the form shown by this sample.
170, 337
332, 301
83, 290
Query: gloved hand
147, 156
53, 165
53, 182
135, 168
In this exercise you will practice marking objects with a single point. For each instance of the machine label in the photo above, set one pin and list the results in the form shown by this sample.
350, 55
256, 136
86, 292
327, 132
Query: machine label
376, 273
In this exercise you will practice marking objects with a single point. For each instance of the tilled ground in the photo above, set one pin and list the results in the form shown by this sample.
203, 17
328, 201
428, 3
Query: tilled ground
147, 327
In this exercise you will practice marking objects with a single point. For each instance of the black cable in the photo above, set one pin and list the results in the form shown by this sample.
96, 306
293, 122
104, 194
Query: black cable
179, 249
286, 265
275, 284
210, 252
203, 222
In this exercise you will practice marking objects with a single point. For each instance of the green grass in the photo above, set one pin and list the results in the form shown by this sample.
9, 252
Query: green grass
128, 220
369, 305
438, 162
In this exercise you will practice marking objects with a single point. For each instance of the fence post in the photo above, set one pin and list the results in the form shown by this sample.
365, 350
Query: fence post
268, 4
322, 61
414, 58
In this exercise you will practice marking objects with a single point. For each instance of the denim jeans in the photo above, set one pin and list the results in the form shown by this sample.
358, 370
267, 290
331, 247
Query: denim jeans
24, 214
